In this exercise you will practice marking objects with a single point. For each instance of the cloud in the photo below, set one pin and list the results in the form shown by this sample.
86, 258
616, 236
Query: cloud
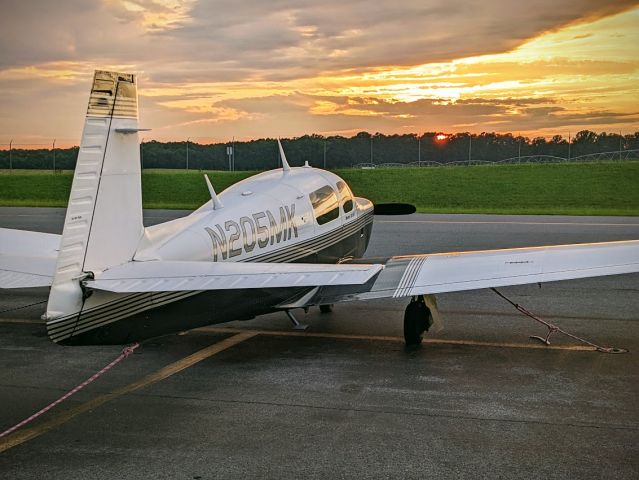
152, 15
301, 66
298, 114
279, 38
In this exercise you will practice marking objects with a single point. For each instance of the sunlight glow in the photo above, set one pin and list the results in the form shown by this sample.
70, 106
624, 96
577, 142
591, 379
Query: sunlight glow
583, 67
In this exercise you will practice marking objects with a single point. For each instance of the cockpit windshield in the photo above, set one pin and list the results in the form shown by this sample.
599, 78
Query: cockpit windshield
346, 196
325, 204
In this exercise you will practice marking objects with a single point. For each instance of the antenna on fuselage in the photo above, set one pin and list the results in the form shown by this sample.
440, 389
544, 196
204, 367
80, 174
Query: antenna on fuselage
216, 201
285, 166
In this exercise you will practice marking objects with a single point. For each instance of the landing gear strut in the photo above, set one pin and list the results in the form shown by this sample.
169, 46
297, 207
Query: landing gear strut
296, 325
417, 320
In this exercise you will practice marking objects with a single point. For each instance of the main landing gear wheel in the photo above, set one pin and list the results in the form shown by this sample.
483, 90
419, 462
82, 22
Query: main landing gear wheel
417, 320
328, 308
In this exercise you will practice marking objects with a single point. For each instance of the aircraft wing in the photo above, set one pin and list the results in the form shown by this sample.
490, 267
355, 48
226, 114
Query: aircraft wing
27, 259
402, 276
405, 276
173, 276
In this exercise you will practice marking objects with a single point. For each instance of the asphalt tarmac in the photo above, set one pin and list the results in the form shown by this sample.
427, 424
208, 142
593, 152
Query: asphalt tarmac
345, 399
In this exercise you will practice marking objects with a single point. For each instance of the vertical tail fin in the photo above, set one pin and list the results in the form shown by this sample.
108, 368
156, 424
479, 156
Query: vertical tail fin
103, 223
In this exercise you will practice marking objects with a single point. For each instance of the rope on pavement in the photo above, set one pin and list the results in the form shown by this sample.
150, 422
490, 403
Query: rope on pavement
125, 353
552, 328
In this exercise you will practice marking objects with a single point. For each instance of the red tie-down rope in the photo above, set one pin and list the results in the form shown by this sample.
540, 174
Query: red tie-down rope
125, 353
552, 328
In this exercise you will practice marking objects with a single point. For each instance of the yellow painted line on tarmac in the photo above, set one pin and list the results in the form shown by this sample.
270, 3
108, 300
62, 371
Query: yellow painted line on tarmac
378, 338
496, 222
429, 341
534, 346
27, 434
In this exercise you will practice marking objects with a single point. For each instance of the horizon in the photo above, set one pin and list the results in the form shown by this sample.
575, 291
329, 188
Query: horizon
433, 136
569, 138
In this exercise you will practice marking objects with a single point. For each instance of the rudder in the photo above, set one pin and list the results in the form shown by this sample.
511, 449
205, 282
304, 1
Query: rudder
103, 223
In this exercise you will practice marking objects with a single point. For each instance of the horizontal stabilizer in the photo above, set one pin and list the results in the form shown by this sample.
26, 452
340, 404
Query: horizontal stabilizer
27, 259
26, 272
174, 276
28, 244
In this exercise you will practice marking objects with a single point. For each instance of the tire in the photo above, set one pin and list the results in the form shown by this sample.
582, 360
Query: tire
416, 322
326, 308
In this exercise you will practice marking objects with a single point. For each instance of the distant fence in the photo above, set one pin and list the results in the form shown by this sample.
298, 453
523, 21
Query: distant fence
619, 155
191, 156
42, 156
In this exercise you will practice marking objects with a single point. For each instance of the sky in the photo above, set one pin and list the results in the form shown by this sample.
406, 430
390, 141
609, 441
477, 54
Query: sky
214, 70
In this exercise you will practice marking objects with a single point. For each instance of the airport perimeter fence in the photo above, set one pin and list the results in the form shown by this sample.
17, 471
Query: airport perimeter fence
263, 155
620, 155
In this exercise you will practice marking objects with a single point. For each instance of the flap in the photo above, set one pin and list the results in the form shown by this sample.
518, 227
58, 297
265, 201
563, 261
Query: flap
172, 276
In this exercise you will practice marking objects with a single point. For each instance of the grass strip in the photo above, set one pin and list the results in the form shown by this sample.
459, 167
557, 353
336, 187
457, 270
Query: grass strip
605, 188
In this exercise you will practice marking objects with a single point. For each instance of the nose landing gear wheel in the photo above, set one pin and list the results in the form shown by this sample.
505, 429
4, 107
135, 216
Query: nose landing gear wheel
417, 320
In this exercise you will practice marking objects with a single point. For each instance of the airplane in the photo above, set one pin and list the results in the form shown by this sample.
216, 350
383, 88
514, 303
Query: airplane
281, 240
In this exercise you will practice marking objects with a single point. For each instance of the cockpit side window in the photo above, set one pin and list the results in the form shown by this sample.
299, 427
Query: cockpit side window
325, 204
346, 196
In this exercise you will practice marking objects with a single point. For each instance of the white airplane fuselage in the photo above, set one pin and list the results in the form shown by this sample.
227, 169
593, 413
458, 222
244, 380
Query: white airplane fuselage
270, 218
275, 216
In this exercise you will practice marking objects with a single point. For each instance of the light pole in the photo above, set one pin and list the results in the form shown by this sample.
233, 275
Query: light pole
233, 152
620, 144
142, 154
53, 148
10, 161
519, 150
419, 151
187, 152
371, 149
324, 154
568, 146
470, 146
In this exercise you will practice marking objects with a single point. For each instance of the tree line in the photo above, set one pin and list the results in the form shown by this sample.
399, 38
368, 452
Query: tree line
339, 151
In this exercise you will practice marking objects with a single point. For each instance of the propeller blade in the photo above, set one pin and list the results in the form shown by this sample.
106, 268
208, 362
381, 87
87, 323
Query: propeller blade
394, 209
